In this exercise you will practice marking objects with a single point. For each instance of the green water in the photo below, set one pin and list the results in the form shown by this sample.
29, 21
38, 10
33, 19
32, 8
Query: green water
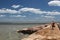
8, 32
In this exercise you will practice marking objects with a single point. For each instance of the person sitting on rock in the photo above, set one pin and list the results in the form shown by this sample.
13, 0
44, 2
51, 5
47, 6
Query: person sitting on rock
53, 25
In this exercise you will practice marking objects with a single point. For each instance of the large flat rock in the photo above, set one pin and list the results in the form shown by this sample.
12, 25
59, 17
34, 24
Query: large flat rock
45, 34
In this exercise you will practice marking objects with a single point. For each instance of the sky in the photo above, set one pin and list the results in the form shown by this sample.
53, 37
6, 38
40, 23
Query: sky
29, 11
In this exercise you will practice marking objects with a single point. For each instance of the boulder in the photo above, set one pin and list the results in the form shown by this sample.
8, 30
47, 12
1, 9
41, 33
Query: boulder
48, 33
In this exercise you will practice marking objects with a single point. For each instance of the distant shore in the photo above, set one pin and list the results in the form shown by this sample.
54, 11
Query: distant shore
12, 23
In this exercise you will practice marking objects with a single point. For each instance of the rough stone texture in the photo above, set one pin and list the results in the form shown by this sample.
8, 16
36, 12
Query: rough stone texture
45, 34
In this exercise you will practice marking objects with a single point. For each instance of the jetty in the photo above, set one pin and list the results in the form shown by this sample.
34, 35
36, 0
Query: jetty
48, 32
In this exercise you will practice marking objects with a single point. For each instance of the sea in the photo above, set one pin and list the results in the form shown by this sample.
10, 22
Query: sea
9, 31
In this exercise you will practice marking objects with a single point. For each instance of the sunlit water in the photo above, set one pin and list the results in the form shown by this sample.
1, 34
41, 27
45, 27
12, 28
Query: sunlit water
8, 32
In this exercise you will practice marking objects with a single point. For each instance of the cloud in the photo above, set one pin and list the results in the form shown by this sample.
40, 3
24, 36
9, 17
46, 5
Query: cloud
4, 10
31, 10
55, 0
2, 15
38, 11
54, 3
16, 6
49, 17
17, 16
53, 13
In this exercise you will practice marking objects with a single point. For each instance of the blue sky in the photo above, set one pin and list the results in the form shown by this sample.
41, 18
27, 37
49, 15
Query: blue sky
29, 10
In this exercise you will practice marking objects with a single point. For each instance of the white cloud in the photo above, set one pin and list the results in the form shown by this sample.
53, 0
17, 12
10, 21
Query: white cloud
2, 15
32, 10
4, 10
55, 0
17, 16
49, 17
16, 6
38, 11
54, 3
53, 13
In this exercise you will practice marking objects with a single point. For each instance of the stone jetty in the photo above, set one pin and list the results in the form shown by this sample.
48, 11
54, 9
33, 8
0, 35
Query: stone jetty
48, 32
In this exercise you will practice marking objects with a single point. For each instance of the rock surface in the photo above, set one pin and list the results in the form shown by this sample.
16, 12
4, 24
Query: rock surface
51, 32
31, 30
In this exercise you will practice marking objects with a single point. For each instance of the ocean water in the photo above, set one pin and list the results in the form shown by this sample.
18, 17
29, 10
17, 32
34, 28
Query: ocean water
8, 31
